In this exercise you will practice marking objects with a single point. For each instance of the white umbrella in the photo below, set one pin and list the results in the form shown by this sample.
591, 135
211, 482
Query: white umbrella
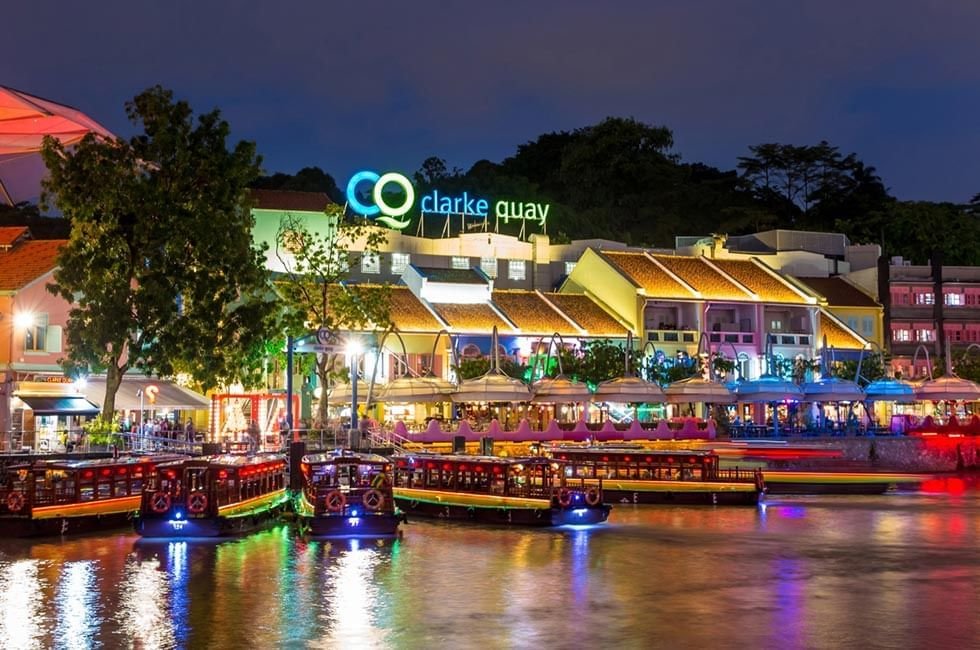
948, 388
341, 392
768, 388
494, 386
560, 389
833, 389
629, 390
889, 389
698, 389
416, 389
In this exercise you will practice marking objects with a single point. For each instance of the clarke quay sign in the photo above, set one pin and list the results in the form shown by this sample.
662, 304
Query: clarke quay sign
379, 208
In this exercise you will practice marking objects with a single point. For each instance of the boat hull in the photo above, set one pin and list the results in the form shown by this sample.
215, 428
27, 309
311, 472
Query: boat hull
446, 508
174, 525
27, 526
338, 526
810, 482
643, 495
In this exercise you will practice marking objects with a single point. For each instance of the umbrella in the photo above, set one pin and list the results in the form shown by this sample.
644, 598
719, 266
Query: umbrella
768, 388
341, 393
888, 389
833, 389
494, 386
560, 389
949, 388
416, 389
629, 390
698, 389
24, 121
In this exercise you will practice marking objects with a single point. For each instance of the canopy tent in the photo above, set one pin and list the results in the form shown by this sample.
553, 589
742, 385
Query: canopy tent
698, 389
494, 386
889, 389
60, 405
632, 390
167, 395
832, 389
416, 389
768, 388
24, 121
948, 388
560, 389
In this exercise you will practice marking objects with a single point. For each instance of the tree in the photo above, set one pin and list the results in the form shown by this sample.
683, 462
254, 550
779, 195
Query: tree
160, 265
316, 265
308, 179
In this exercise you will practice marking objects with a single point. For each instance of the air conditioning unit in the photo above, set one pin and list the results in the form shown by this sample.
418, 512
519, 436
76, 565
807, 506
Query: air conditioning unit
898, 261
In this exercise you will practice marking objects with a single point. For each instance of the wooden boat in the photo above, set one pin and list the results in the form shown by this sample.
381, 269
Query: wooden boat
637, 475
214, 496
59, 497
346, 494
838, 481
525, 491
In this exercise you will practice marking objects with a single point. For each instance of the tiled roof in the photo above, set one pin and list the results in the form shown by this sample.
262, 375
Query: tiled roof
10, 234
479, 318
28, 261
587, 314
532, 314
759, 281
712, 284
839, 292
409, 315
647, 275
290, 200
837, 335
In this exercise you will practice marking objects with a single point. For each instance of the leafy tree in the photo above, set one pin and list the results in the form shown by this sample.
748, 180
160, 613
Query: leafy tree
312, 290
159, 266
308, 179
872, 368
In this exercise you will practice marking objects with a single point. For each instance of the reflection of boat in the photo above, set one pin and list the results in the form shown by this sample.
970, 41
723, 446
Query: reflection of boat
636, 475
214, 496
527, 491
346, 494
837, 481
52, 497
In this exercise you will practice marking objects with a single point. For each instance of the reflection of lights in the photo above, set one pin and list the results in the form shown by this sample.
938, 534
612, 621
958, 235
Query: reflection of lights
21, 600
76, 602
143, 614
353, 600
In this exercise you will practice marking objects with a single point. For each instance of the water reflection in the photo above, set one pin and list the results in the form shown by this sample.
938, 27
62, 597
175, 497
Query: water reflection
77, 606
23, 621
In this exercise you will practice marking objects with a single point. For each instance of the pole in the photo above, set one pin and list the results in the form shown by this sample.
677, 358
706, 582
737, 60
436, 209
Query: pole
353, 392
289, 387
140, 435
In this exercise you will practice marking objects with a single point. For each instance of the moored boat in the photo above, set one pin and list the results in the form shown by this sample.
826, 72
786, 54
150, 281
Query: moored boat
637, 475
59, 497
346, 494
489, 489
214, 496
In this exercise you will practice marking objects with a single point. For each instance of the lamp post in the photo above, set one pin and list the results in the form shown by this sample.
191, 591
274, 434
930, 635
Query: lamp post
139, 429
353, 349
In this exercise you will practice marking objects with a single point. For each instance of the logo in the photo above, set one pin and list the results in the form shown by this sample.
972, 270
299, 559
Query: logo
388, 213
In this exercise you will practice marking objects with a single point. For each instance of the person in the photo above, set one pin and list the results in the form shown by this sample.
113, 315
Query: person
189, 430
254, 433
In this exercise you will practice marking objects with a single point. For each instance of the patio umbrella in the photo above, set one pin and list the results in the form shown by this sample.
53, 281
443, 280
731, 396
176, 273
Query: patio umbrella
833, 389
948, 388
416, 389
24, 121
698, 389
889, 389
560, 389
494, 386
768, 388
341, 393
628, 390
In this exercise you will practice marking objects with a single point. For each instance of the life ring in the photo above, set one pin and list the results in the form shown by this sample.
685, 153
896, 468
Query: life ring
197, 502
593, 496
160, 502
564, 498
335, 501
373, 500
15, 502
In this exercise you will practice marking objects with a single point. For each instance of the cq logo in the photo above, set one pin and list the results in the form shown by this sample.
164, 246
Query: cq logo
389, 213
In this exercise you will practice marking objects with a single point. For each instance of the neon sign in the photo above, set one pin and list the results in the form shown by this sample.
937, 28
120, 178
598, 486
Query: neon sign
434, 203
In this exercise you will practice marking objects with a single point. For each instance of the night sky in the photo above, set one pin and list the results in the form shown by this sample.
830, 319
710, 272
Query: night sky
384, 85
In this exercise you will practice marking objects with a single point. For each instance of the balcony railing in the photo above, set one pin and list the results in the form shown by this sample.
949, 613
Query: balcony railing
791, 338
731, 337
672, 336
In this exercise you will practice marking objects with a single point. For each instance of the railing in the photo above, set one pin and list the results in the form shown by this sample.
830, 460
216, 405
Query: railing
672, 336
791, 338
726, 336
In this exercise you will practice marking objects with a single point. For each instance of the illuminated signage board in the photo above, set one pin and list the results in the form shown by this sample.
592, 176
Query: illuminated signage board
434, 203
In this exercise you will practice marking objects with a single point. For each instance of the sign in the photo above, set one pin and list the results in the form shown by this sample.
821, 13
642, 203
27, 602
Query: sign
319, 348
151, 393
433, 203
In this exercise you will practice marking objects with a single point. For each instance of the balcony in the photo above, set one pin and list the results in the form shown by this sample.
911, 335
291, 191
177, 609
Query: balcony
672, 336
745, 338
801, 339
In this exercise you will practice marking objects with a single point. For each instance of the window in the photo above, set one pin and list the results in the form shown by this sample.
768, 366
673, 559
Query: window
775, 325
516, 270
925, 336
924, 299
489, 266
36, 333
370, 263
901, 335
400, 262
867, 326
569, 267
461, 262
953, 299
852, 323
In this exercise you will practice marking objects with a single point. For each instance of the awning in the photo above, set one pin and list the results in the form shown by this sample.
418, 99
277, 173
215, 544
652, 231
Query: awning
60, 405
168, 395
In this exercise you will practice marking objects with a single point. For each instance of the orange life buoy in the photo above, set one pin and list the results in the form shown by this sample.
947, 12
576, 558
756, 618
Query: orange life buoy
336, 501
160, 502
564, 498
15, 502
197, 502
593, 496
373, 500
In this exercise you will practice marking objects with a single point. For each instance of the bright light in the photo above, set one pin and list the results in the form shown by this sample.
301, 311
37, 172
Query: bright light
81, 383
23, 320
353, 347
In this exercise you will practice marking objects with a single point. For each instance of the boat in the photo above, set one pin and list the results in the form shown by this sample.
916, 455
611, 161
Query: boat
214, 496
523, 491
65, 496
346, 494
637, 475
840, 480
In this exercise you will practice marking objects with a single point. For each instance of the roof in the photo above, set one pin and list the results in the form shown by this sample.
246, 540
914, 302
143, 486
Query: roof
703, 278
471, 318
756, 279
10, 234
451, 276
644, 273
587, 314
837, 334
839, 292
532, 314
290, 200
28, 261
408, 314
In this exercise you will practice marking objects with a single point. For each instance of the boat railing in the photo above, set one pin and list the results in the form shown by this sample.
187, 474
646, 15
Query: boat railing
353, 498
735, 474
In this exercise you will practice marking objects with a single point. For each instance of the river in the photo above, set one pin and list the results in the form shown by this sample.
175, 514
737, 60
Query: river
897, 570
